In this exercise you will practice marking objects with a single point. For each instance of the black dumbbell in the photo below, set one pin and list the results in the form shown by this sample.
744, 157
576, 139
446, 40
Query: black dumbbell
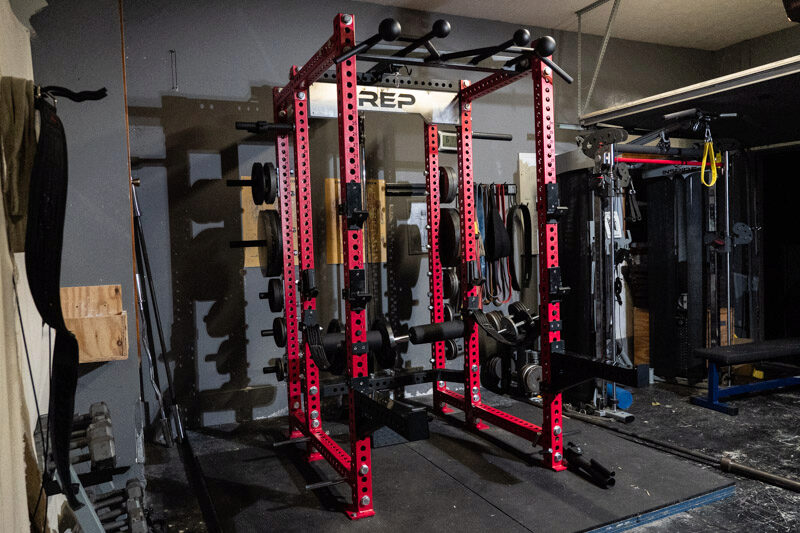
274, 295
278, 331
263, 183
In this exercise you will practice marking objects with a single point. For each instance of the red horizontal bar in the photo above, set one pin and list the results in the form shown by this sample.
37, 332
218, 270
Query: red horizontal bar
332, 452
309, 73
660, 161
491, 83
510, 423
450, 397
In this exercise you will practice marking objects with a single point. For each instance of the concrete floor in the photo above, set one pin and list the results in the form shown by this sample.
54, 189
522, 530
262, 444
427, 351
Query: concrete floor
764, 435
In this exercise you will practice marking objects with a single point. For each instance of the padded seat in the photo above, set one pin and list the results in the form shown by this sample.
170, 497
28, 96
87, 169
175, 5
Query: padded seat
750, 352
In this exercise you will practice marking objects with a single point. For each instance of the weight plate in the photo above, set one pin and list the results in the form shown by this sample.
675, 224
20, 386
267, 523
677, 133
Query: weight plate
509, 329
386, 355
279, 332
270, 256
520, 312
258, 185
337, 357
450, 283
623, 174
449, 313
449, 237
275, 295
494, 319
451, 349
335, 326
448, 184
270, 182
742, 233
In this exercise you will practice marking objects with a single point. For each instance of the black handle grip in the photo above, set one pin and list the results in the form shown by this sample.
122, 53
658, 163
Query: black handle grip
558, 70
389, 30
436, 332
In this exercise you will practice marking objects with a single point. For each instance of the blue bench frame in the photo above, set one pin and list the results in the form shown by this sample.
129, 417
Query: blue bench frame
715, 393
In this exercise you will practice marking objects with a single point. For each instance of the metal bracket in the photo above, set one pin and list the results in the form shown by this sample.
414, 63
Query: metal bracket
552, 199
352, 208
357, 295
308, 287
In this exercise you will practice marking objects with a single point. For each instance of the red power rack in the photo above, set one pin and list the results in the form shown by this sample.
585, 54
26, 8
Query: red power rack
306, 419
470, 402
291, 106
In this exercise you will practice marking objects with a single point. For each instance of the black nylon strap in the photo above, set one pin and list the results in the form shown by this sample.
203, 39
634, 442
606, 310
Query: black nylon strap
527, 257
43, 242
485, 325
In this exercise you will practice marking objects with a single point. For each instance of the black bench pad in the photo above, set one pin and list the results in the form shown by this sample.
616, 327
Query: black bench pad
750, 352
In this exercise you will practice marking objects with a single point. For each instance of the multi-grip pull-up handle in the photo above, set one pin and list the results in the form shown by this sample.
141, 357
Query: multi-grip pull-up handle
440, 30
388, 30
521, 37
543, 48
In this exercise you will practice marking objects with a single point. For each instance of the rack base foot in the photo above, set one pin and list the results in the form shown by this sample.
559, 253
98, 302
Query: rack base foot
357, 515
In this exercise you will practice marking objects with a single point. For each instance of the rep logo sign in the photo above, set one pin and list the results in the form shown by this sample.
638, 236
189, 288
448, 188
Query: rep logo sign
374, 98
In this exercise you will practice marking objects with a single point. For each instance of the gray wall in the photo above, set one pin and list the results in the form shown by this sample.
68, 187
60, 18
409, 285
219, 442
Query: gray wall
70, 51
231, 57
754, 52
228, 58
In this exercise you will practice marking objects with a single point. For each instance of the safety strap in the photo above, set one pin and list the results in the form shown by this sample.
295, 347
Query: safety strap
43, 242
526, 256
483, 322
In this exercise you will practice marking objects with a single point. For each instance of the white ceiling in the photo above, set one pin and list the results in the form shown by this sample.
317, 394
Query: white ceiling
702, 24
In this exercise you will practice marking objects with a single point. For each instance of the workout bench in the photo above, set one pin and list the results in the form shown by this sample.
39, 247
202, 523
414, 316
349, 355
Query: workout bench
738, 354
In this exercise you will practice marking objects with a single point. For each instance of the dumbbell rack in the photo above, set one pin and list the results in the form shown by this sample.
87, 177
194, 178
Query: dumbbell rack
303, 387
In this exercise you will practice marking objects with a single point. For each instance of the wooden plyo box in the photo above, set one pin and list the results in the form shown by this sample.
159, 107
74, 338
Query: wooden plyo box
95, 316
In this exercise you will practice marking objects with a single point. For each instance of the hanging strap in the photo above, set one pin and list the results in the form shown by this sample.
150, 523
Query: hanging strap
43, 242
526, 261
708, 154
